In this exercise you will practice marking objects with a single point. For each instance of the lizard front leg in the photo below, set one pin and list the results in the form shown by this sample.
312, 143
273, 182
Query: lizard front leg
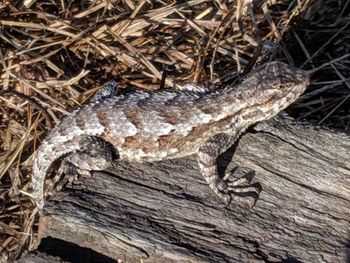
226, 188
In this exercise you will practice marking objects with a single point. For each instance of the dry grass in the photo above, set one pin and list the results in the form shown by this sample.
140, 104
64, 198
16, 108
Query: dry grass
55, 54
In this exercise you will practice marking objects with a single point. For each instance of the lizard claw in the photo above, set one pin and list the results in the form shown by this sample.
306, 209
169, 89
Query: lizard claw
239, 189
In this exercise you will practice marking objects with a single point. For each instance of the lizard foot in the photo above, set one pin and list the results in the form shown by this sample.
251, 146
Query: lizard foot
71, 177
67, 173
239, 190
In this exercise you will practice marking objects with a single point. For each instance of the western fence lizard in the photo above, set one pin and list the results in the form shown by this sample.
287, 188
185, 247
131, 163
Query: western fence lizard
166, 124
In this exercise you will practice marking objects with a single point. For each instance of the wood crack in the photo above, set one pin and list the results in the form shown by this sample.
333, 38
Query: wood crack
296, 206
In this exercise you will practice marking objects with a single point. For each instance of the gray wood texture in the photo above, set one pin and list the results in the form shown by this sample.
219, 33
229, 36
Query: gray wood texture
165, 212
39, 257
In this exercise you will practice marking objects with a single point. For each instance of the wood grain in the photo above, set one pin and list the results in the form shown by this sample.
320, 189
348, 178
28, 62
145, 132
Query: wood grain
165, 212
39, 257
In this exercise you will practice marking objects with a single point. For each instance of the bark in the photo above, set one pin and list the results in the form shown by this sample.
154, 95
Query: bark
39, 257
165, 212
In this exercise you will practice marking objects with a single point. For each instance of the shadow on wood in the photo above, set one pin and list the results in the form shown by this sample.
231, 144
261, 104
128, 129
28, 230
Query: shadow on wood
164, 211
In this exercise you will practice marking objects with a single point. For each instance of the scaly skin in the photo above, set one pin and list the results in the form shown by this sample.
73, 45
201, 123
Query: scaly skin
166, 124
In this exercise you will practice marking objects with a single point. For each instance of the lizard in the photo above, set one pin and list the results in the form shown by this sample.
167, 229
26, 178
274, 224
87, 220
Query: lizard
165, 124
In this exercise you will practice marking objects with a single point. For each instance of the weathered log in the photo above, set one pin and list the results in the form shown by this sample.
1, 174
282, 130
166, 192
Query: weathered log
39, 257
164, 211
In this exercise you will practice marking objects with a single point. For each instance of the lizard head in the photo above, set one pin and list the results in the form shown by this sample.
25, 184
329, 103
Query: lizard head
275, 86
286, 79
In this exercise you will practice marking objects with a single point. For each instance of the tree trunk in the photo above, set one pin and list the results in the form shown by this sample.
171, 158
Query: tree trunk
165, 211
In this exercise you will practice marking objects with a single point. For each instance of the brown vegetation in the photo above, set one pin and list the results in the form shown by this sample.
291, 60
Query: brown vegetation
55, 54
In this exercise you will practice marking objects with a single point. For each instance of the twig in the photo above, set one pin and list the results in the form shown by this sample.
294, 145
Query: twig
32, 101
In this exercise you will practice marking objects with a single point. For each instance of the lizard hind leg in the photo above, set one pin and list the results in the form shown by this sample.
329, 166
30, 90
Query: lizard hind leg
226, 188
94, 155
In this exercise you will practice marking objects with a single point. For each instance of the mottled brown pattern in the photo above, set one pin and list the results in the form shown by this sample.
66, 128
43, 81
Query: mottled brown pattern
169, 124
169, 140
133, 116
170, 117
206, 128
80, 122
103, 117
145, 144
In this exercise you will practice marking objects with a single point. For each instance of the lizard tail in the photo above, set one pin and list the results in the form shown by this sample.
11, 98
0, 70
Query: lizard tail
47, 154
38, 180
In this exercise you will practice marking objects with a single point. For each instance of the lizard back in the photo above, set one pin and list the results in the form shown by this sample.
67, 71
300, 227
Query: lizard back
152, 126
